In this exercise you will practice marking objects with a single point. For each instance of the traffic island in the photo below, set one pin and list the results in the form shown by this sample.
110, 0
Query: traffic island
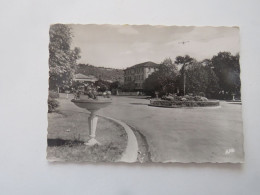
183, 101
179, 104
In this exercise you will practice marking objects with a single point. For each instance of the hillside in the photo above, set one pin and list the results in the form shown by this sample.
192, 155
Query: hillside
101, 72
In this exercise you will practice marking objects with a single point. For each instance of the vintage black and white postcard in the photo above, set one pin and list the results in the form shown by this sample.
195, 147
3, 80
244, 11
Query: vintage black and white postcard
142, 93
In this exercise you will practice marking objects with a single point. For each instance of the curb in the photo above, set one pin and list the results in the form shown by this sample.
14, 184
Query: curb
131, 152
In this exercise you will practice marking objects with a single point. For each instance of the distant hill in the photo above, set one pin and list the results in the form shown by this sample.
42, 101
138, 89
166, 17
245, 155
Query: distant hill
101, 72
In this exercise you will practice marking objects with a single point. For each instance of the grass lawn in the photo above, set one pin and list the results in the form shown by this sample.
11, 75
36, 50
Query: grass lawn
71, 123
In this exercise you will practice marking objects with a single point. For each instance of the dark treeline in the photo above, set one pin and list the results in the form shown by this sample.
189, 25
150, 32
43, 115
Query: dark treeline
218, 77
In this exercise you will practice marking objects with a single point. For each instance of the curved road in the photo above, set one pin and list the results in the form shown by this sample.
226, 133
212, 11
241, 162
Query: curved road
184, 134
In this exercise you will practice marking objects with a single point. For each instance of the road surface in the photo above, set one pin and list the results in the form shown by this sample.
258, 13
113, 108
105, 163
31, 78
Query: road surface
184, 134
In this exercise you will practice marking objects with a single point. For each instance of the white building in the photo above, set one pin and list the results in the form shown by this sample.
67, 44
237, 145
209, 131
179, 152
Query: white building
139, 72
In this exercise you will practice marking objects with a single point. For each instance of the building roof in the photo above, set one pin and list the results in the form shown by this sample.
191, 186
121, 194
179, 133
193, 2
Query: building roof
145, 64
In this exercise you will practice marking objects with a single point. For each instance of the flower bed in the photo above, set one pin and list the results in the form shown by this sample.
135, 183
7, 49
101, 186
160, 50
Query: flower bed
183, 101
176, 104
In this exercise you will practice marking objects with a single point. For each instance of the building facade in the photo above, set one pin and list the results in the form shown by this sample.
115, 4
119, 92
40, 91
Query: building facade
138, 73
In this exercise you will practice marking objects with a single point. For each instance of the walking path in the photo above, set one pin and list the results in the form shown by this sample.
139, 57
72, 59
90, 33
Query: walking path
131, 151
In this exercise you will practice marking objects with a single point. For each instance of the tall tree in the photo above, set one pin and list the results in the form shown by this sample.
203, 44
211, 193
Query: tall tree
62, 59
227, 69
170, 64
201, 78
184, 62
212, 90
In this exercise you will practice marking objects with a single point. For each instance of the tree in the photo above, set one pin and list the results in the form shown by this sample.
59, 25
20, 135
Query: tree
62, 59
103, 85
196, 79
169, 63
152, 84
184, 62
163, 80
227, 69
200, 78
129, 86
213, 83
115, 85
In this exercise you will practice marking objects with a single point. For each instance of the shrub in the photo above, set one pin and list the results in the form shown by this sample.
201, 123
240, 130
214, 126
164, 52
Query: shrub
204, 99
202, 94
52, 105
170, 98
54, 94
178, 98
188, 98
197, 98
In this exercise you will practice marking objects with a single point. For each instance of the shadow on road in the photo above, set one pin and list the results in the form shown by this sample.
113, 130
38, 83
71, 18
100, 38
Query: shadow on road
139, 97
139, 104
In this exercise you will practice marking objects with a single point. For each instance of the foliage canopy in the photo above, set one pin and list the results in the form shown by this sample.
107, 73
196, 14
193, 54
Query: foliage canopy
62, 59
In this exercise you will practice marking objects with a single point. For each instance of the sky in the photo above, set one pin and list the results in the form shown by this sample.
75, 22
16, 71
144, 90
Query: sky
122, 46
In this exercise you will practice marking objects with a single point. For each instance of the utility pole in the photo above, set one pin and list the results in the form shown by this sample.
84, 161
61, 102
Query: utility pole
184, 78
184, 81
184, 66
